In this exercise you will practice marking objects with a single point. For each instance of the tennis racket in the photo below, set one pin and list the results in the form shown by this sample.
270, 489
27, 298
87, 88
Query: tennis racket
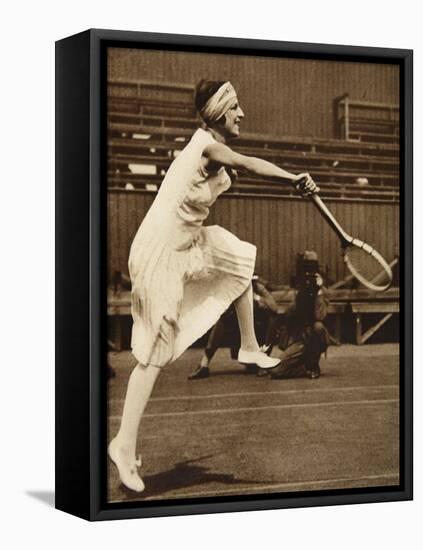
363, 261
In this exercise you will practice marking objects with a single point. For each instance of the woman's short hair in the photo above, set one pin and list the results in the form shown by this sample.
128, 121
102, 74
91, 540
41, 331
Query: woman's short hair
204, 90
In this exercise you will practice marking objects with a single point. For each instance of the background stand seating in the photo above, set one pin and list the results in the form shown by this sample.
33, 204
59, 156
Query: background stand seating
367, 121
149, 124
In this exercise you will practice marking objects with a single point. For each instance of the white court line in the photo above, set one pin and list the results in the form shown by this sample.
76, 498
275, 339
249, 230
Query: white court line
267, 407
259, 393
288, 485
278, 486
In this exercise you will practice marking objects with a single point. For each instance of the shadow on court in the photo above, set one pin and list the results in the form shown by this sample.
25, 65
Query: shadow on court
185, 475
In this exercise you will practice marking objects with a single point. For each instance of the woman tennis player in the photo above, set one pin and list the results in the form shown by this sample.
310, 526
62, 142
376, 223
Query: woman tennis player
185, 275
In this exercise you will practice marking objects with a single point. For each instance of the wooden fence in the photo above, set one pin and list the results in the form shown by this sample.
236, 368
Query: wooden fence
280, 227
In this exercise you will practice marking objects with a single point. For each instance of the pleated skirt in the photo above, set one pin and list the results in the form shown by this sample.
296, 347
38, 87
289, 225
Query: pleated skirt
186, 291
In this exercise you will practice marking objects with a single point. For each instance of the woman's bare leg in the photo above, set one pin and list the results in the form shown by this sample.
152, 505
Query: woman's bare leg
245, 313
122, 449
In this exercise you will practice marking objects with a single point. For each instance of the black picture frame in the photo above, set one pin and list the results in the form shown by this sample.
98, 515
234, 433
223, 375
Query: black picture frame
80, 283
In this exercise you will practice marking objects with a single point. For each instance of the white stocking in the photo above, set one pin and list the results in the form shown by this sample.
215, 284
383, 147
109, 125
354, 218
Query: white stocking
245, 313
140, 386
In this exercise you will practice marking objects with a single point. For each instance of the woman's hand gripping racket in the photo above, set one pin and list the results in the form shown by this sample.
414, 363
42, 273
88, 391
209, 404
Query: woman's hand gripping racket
364, 262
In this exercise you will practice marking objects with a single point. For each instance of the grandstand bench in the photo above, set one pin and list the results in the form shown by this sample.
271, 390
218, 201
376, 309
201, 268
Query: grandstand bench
359, 303
359, 309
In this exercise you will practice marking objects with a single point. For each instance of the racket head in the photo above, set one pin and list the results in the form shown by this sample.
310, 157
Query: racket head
367, 265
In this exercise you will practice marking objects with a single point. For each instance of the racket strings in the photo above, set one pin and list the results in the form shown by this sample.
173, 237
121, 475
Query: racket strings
368, 267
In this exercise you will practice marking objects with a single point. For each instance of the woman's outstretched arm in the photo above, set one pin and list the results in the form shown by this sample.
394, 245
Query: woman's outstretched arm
219, 154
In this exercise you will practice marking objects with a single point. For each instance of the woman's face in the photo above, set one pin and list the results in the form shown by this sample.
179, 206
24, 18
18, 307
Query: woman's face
233, 117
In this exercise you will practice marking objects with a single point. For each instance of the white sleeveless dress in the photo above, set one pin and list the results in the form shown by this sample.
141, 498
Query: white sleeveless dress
184, 275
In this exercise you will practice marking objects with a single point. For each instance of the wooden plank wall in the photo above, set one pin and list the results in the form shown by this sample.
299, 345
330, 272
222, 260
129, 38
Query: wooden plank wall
279, 227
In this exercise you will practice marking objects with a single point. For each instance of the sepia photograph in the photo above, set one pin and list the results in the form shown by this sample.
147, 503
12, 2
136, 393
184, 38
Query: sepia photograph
253, 275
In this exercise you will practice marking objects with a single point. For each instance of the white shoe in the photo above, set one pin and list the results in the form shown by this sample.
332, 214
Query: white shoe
127, 468
258, 358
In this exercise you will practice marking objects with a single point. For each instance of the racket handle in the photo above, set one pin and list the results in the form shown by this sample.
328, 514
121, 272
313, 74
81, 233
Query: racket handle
330, 219
327, 215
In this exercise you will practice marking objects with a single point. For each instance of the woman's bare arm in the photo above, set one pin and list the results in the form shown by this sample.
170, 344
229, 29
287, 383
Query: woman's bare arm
219, 154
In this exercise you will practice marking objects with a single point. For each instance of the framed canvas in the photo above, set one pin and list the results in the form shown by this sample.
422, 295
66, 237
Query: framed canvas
210, 196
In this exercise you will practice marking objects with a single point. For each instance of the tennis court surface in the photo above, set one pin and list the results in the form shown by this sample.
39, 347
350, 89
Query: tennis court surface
237, 434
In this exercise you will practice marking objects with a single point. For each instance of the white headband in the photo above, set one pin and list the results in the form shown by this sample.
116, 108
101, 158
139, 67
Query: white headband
219, 103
